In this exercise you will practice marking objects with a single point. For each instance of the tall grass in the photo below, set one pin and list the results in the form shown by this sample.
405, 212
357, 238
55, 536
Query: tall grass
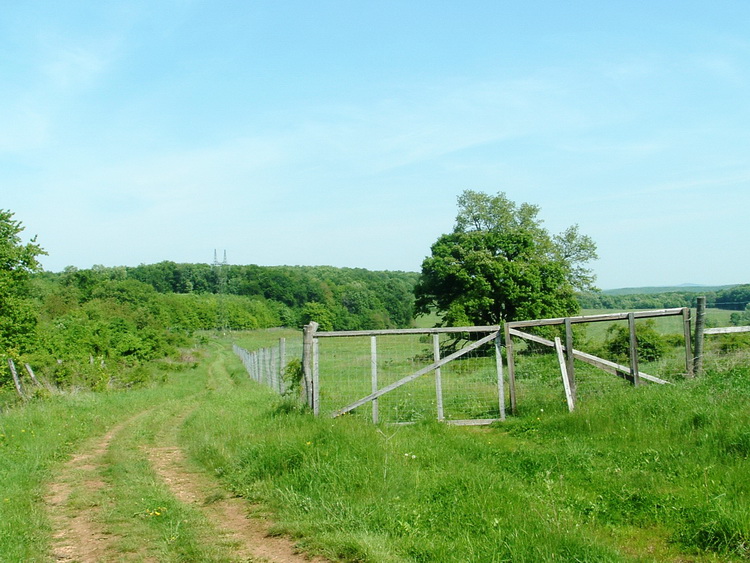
651, 474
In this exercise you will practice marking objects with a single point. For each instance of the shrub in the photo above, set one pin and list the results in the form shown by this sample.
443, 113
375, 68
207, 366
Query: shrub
651, 345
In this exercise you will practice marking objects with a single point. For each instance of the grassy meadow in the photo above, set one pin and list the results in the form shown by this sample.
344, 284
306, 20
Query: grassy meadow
655, 473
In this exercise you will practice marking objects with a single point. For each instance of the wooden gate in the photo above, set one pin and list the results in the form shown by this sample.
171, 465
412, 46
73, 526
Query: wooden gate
338, 389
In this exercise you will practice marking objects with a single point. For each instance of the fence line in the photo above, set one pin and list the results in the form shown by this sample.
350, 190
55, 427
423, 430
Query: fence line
380, 367
266, 365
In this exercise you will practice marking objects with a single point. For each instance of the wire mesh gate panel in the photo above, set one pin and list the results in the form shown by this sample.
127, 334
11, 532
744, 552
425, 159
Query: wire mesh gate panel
403, 376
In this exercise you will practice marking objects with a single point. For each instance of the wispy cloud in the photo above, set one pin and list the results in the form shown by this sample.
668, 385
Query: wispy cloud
723, 68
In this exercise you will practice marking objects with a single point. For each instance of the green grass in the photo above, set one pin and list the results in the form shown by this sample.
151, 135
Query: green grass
34, 441
655, 473
648, 474
38, 437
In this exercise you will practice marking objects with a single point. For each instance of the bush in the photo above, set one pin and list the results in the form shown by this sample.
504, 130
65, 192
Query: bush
651, 344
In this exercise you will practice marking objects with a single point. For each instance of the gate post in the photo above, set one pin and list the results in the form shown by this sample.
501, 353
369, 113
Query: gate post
511, 367
308, 336
500, 377
700, 325
688, 342
438, 377
634, 369
570, 363
374, 377
282, 365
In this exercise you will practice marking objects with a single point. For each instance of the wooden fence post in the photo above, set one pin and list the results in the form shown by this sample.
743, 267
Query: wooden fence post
308, 335
511, 368
31, 375
500, 377
570, 359
689, 372
282, 365
16, 380
565, 377
634, 371
316, 378
700, 326
275, 360
374, 377
438, 378
263, 365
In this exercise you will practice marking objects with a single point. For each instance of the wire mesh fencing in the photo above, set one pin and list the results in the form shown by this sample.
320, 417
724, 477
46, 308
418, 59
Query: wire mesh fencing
268, 366
405, 376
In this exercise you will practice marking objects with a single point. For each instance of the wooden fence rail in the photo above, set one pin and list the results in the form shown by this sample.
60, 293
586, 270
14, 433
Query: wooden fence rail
566, 353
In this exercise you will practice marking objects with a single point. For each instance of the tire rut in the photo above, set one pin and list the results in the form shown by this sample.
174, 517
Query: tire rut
76, 501
233, 518
248, 535
77, 533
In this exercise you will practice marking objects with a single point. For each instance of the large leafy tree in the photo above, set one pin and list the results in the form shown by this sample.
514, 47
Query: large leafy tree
500, 264
17, 262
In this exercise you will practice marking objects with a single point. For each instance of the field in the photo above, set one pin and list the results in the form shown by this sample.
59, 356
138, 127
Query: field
657, 473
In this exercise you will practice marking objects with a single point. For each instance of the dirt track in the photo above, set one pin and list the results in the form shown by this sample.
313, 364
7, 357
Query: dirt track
80, 500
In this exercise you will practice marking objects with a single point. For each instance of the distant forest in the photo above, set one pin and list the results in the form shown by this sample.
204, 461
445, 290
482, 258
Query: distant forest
733, 298
247, 297
97, 327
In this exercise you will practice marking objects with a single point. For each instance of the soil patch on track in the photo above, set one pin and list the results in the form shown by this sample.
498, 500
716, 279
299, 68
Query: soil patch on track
249, 535
78, 535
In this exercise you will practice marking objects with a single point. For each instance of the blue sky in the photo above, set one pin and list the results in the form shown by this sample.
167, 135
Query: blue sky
341, 132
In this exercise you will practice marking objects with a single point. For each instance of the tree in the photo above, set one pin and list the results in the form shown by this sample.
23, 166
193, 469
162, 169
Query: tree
17, 262
500, 264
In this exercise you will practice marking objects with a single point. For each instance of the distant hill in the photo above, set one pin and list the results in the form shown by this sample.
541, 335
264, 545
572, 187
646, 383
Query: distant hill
687, 287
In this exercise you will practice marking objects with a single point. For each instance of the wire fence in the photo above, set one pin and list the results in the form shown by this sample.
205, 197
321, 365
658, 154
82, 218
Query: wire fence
268, 365
410, 375
455, 375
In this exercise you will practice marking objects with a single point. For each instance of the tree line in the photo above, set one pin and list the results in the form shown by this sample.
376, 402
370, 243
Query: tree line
735, 298
99, 326
498, 264
343, 298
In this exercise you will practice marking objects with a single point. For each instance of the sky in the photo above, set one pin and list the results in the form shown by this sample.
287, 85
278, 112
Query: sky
342, 132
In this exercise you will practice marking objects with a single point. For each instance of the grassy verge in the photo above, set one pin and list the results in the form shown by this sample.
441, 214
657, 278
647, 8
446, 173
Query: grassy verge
648, 474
